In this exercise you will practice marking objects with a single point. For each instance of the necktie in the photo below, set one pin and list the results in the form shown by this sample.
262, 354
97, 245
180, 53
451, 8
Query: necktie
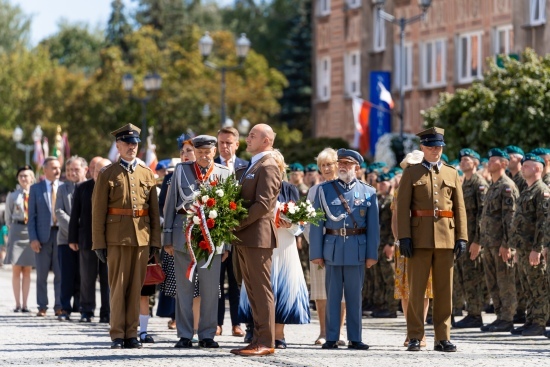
54, 198
26, 207
436, 168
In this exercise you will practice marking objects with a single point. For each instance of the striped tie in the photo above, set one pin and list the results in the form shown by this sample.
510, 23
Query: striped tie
54, 199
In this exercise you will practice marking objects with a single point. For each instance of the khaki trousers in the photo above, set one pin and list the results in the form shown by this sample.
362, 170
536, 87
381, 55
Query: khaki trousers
127, 266
255, 266
440, 261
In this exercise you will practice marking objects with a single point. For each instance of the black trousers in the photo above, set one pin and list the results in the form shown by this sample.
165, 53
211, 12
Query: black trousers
90, 269
233, 292
70, 278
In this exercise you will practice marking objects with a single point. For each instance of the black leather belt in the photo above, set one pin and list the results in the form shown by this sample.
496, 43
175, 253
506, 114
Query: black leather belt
346, 231
19, 222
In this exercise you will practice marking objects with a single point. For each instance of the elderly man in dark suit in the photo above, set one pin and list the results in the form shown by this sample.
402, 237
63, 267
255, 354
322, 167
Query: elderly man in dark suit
432, 228
80, 239
228, 142
43, 229
261, 183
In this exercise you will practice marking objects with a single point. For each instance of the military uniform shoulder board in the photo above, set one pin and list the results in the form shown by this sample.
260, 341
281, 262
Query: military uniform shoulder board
448, 165
221, 166
326, 183
142, 163
365, 183
104, 168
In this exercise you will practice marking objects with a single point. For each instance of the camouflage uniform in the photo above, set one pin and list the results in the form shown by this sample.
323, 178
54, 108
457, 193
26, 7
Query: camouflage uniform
520, 291
528, 234
546, 179
499, 207
384, 273
468, 273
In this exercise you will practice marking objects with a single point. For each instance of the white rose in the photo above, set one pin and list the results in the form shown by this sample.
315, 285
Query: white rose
205, 198
308, 202
196, 220
219, 192
291, 209
213, 214
291, 205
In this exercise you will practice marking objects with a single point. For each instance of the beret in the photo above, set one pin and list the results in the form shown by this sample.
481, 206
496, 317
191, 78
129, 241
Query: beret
533, 157
467, 152
496, 152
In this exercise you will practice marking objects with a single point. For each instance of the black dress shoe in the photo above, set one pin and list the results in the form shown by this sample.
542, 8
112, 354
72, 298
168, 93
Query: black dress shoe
502, 326
280, 344
145, 338
469, 321
25, 310
330, 345
414, 345
429, 320
358, 345
444, 346
132, 343
184, 343
249, 334
85, 318
208, 343
519, 330
117, 344
104, 319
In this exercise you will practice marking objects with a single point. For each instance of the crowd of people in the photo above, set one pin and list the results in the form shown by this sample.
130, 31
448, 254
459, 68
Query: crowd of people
390, 240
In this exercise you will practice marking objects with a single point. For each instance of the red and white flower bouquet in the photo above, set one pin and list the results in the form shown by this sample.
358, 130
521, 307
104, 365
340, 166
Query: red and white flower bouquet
217, 210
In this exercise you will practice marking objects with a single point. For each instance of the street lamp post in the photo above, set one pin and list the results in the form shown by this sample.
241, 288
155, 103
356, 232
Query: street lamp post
27, 148
402, 23
205, 46
151, 83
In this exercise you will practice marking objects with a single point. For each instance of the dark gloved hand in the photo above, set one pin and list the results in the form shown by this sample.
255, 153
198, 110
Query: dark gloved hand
102, 255
460, 248
406, 247
153, 251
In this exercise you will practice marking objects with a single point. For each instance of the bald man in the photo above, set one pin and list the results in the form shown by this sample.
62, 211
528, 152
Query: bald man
261, 183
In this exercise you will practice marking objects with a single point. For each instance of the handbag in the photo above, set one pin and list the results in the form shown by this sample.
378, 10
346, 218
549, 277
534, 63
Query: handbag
154, 274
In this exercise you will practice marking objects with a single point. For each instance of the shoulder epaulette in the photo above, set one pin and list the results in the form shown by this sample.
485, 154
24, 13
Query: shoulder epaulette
448, 165
106, 167
221, 166
365, 183
142, 163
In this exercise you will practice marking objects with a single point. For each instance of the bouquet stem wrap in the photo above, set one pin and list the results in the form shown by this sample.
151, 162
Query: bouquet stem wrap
199, 210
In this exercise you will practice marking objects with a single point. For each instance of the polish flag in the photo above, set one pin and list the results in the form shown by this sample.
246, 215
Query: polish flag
151, 157
361, 112
385, 95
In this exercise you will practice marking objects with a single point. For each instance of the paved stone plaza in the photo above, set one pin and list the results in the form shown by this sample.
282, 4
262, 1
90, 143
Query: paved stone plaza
32, 341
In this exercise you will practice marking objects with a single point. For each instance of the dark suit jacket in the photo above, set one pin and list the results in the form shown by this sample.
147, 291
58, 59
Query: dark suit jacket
80, 224
239, 163
40, 216
261, 185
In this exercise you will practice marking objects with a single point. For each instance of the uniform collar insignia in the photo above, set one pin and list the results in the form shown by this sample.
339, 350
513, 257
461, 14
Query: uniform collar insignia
347, 186
128, 166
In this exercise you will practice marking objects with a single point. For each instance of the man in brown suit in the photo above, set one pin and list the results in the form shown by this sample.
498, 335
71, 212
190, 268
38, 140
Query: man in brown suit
125, 230
431, 220
261, 183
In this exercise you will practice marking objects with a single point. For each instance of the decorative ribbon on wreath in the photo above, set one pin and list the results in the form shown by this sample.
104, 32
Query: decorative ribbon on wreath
198, 209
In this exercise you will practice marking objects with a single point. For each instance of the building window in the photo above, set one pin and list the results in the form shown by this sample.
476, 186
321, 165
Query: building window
323, 7
407, 65
469, 57
353, 4
352, 72
379, 32
323, 79
537, 12
504, 40
434, 63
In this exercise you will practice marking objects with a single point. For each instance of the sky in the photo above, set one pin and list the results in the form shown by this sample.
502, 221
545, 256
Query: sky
47, 13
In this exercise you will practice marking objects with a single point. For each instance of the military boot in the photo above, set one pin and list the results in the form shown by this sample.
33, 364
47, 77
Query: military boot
534, 330
469, 321
519, 317
519, 330
488, 326
547, 333
502, 326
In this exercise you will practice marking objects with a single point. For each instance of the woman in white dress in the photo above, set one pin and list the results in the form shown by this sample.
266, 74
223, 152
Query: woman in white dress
326, 161
287, 277
19, 253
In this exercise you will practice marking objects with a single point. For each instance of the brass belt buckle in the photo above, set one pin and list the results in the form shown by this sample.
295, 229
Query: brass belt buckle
135, 213
343, 232
436, 215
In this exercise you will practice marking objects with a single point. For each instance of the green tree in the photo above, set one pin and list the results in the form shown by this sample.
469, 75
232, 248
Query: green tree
117, 27
15, 26
511, 105
75, 46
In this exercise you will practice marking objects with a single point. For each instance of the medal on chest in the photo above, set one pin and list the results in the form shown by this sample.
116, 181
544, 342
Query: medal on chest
201, 179
356, 199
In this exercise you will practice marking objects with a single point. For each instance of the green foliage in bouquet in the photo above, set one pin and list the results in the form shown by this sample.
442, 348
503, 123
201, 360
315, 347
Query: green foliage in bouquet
301, 212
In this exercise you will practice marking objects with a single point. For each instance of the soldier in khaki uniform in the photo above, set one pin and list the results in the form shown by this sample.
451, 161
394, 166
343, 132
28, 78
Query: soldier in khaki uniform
469, 269
499, 208
431, 227
125, 230
528, 238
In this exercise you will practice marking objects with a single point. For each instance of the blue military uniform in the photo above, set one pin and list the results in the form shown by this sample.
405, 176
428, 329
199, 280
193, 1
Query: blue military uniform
344, 253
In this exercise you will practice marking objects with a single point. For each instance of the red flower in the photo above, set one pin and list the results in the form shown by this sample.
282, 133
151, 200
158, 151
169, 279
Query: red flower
232, 206
210, 223
213, 183
210, 202
204, 245
285, 209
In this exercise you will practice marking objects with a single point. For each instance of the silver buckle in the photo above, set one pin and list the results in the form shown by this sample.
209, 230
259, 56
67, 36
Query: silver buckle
135, 213
342, 232
436, 215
